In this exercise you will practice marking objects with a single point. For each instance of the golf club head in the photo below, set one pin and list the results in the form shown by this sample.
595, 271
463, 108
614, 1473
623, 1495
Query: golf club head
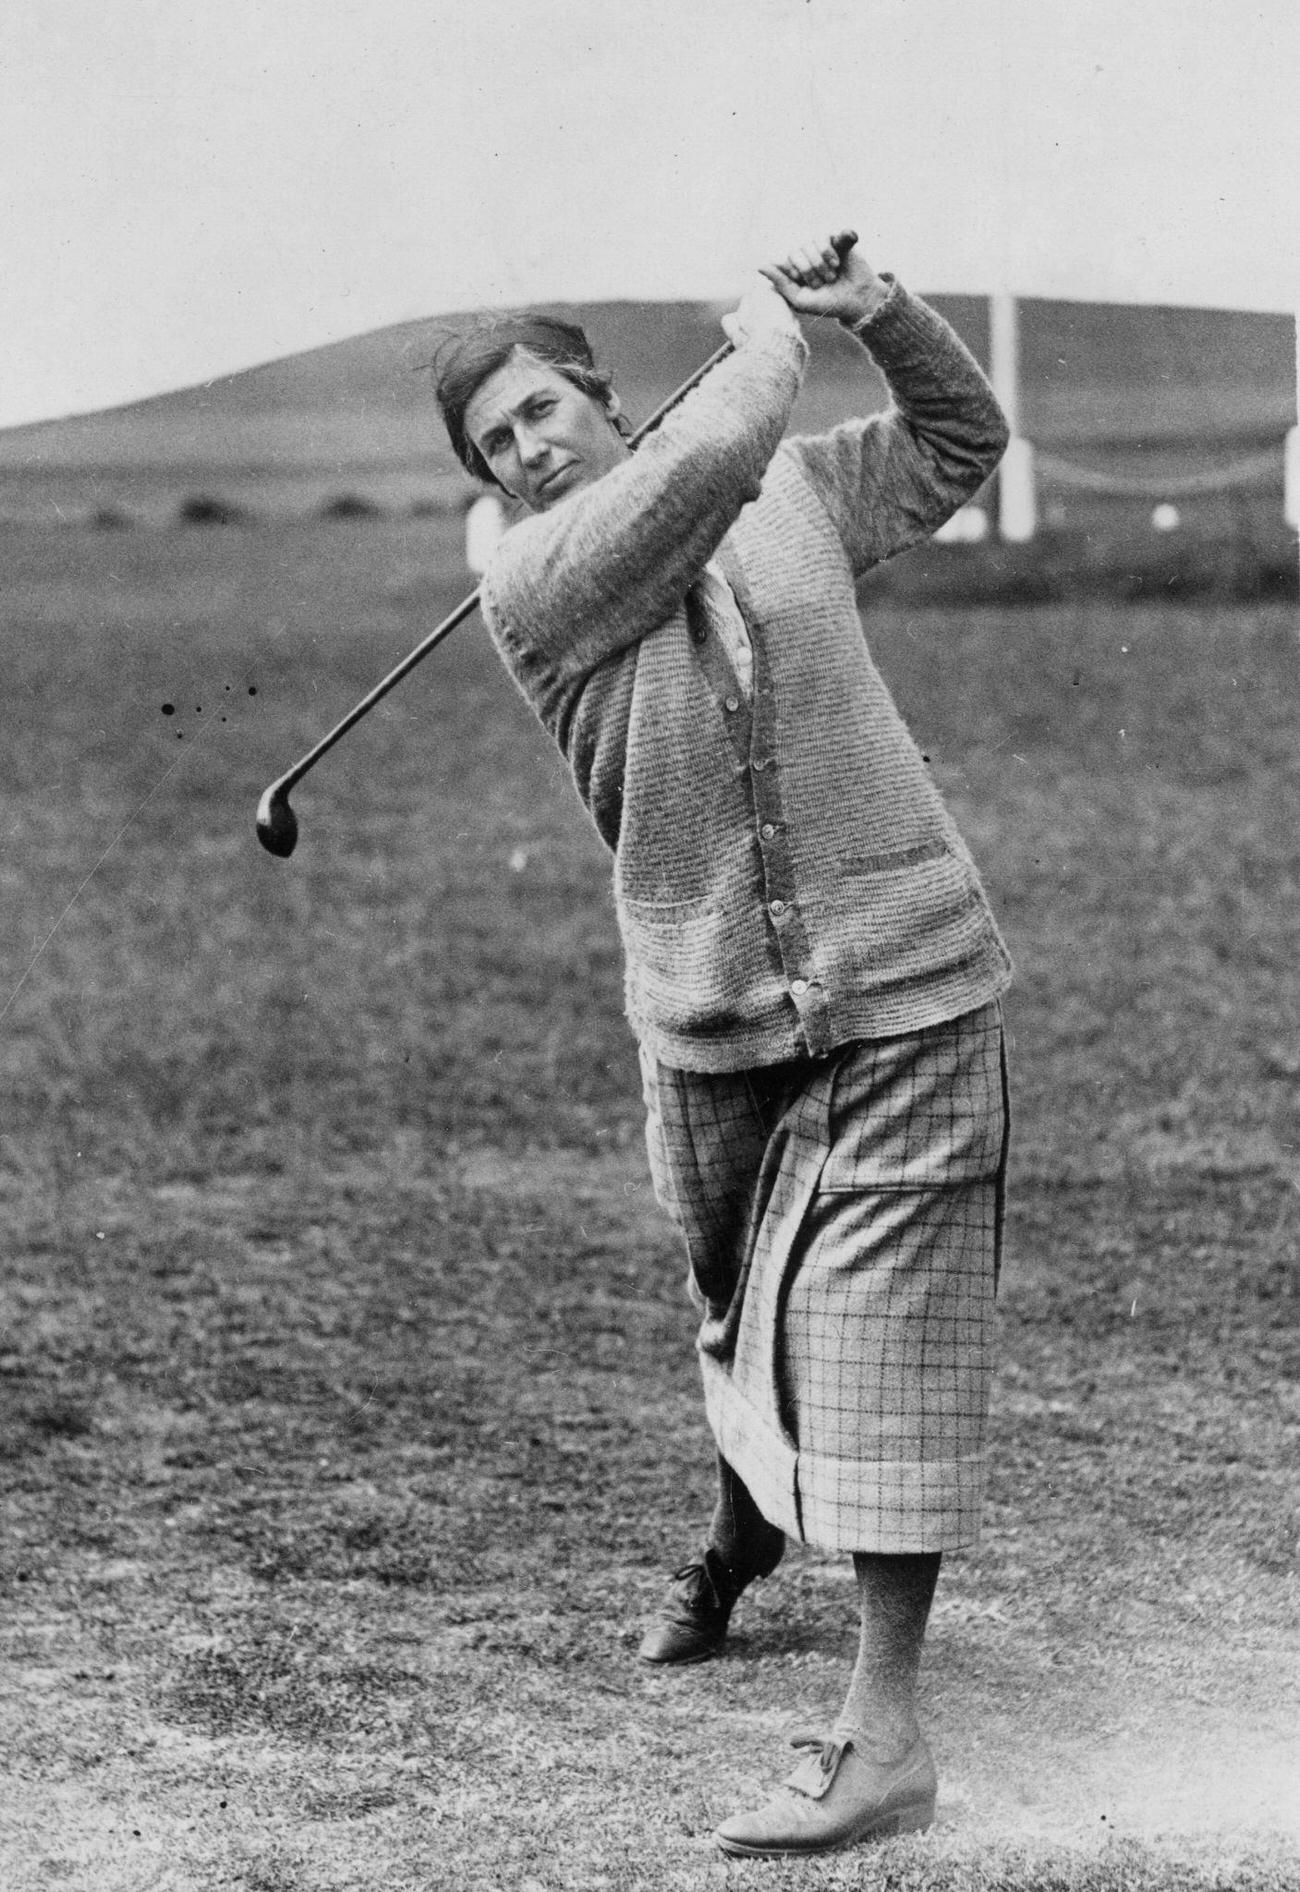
277, 824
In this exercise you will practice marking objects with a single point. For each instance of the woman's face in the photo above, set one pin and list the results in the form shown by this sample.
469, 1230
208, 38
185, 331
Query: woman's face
542, 437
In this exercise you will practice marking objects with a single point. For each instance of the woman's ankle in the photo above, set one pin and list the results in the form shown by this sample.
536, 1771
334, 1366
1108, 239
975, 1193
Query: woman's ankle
883, 1735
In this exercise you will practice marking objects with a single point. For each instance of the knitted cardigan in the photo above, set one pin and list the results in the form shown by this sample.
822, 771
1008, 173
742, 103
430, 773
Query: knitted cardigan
786, 876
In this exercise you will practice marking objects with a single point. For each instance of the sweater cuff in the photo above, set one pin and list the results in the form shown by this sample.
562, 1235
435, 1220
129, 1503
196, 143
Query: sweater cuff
789, 349
888, 302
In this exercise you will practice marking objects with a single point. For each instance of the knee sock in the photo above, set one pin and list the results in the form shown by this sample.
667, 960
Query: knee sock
894, 1595
740, 1535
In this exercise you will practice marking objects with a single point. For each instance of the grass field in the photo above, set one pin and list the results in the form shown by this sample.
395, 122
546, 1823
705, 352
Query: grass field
350, 1412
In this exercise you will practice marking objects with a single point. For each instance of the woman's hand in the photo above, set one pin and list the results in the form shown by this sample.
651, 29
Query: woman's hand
760, 311
828, 279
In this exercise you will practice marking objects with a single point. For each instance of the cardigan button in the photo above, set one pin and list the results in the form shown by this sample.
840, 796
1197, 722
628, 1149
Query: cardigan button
776, 909
798, 987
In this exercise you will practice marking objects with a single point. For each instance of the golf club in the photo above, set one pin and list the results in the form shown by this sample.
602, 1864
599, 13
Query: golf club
277, 824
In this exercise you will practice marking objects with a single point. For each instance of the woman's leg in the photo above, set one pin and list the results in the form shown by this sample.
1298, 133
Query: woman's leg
708, 1137
894, 1596
875, 1775
886, 1361
740, 1536
742, 1547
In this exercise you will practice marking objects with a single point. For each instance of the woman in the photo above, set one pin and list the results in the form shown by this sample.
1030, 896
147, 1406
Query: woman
812, 969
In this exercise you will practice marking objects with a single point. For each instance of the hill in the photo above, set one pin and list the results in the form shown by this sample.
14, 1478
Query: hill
353, 405
1091, 372
1159, 392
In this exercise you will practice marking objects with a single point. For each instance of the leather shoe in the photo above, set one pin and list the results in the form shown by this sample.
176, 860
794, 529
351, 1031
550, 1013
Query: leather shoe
692, 1624
836, 1797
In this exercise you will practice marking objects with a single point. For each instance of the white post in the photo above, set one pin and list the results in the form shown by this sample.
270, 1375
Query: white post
1017, 506
1292, 501
1291, 482
484, 523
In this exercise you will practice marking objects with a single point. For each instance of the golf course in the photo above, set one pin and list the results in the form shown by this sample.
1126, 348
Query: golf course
351, 1419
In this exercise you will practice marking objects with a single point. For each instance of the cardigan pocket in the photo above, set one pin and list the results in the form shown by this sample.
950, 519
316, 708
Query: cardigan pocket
910, 916
682, 968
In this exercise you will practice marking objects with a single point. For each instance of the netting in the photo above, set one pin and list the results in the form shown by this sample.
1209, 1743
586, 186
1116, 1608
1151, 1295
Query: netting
1256, 469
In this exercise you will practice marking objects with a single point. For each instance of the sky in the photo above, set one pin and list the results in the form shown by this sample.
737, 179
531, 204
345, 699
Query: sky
187, 189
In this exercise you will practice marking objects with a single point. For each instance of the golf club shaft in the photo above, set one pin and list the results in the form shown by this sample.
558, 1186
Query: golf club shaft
293, 776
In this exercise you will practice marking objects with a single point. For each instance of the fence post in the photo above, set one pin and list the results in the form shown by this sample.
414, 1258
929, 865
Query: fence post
1017, 503
1291, 501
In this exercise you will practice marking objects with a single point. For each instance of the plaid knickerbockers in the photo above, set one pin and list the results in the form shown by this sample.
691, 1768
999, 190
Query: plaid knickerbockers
843, 1221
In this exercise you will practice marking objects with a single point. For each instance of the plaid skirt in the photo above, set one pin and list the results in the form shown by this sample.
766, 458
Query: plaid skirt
843, 1225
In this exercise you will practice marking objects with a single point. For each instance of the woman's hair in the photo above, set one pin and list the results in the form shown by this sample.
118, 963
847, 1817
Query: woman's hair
468, 358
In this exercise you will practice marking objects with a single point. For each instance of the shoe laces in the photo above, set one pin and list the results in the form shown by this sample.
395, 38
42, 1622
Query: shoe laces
701, 1590
830, 1749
